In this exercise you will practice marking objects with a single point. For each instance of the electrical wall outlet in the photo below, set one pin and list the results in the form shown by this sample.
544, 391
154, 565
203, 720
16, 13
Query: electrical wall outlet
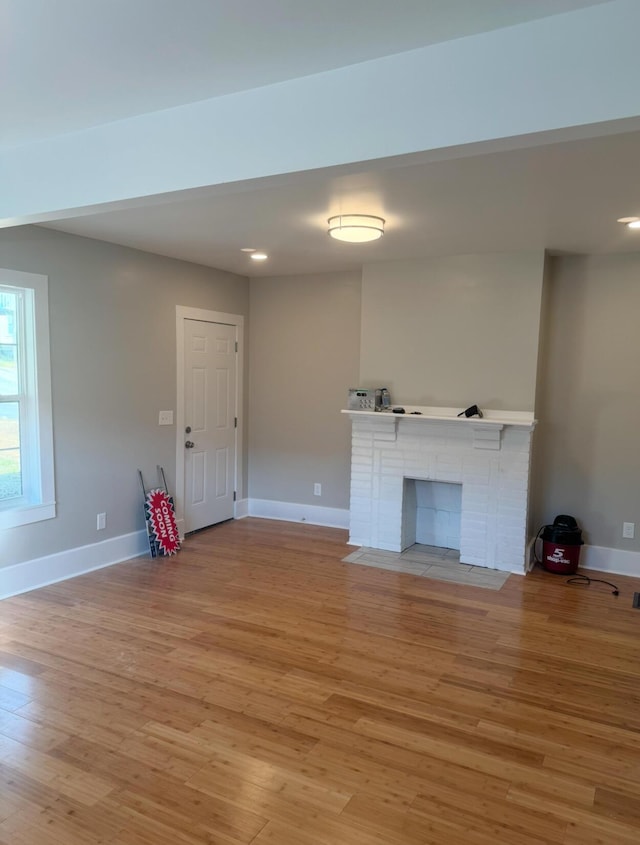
317, 489
628, 530
165, 418
101, 521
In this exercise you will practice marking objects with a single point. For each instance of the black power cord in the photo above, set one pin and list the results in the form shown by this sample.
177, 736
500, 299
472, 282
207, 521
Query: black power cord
585, 581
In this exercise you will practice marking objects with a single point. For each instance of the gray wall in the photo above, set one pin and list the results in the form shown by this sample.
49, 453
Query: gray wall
307, 350
454, 331
305, 337
113, 368
587, 460
113, 338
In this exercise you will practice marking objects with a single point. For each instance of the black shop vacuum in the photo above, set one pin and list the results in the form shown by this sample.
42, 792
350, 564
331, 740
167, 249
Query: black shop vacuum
561, 543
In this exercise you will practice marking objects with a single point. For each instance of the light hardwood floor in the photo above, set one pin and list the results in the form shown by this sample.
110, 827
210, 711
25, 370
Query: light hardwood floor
256, 689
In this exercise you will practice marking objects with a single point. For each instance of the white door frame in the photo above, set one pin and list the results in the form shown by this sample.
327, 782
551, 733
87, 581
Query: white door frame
183, 313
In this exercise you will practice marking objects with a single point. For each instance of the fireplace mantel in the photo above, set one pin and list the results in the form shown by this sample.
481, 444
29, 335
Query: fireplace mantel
489, 456
486, 429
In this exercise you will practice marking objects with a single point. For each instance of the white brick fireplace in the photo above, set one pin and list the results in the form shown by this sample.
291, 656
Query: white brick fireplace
488, 457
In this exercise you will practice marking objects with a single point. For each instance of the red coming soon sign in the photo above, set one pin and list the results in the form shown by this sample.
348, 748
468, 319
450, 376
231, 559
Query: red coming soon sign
162, 519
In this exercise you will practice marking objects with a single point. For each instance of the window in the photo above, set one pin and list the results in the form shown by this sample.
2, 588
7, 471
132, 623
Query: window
26, 439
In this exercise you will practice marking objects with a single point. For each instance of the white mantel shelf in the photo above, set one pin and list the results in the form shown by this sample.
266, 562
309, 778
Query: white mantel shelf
520, 419
486, 429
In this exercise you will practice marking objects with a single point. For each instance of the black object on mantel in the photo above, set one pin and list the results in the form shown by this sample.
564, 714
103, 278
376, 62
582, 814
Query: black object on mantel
471, 411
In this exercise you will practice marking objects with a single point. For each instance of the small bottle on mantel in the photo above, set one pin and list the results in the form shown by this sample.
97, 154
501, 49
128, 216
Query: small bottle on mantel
386, 399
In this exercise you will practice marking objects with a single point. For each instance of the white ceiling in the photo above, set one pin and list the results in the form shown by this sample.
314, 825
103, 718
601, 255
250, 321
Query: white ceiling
72, 64
66, 65
564, 197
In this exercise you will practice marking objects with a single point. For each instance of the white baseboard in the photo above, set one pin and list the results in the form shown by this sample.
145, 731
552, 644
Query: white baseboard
615, 561
601, 559
42, 571
530, 555
293, 512
241, 509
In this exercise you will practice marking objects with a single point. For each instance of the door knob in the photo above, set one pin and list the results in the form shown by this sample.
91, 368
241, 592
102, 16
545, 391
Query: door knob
188, 429
189, 444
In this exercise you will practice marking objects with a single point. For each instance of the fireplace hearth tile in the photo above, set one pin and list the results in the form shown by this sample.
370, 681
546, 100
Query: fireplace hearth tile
430, 562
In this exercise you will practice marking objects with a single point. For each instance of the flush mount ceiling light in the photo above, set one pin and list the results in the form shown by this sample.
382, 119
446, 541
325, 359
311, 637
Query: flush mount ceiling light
631, 222
258, 256
356, 228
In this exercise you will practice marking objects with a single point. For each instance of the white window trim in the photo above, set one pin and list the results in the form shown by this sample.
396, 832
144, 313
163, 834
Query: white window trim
42, 505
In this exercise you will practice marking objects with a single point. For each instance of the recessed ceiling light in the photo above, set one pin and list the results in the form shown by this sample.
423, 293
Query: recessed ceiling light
631, 222
259, 256
247, 249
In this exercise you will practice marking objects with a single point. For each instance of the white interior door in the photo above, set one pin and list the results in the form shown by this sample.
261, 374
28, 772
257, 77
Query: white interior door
210, 375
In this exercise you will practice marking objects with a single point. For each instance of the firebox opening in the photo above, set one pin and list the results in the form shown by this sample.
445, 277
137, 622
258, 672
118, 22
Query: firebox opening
431, 513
